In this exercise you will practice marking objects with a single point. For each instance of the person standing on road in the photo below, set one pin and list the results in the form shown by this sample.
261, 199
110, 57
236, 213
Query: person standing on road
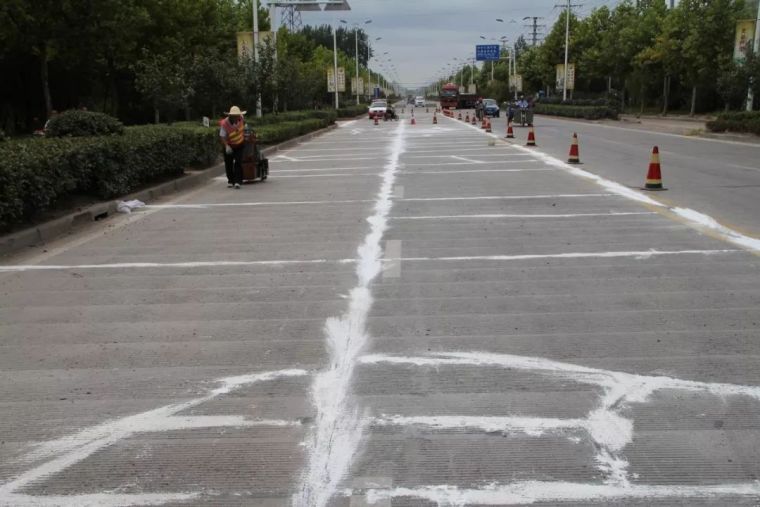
231, 135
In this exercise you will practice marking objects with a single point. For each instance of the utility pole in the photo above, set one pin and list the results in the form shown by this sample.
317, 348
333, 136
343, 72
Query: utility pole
568, 8
335, 66
256, 50
534, 26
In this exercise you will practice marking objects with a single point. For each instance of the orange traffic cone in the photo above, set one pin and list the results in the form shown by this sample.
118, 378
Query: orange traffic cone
488, 125
474, 120
467, 118
460, 116
376, 122
483, 123
654, 176
531, 137
435, 119
575, 156
414, 122
510, 132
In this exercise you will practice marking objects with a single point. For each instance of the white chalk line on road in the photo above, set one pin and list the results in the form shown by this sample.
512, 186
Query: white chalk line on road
607, 426
59, 454
524, 216
257, 203
339, 424
328, 175
541, 169
464, 162
643, 254
695, 219
507, 197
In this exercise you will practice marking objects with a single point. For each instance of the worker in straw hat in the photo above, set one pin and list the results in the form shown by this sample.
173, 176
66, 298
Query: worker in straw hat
231, 136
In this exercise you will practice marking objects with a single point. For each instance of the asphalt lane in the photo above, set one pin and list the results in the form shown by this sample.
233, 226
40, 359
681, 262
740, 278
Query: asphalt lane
402, 315
719, 178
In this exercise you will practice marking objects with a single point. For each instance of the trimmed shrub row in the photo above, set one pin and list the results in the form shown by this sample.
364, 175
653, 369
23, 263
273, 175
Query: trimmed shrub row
586, 112
74, 123
352, 111
36, 173
745, 121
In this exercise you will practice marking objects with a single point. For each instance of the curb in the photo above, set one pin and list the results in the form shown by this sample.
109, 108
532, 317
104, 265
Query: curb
56, 228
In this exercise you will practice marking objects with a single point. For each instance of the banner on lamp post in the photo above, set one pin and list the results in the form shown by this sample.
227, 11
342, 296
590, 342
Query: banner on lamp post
245, 43
570, 76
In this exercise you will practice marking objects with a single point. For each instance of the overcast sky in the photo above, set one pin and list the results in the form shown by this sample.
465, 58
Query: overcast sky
422, 36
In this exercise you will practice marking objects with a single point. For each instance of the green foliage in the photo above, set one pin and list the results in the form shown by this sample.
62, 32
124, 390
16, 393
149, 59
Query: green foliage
586, 112
748, 122
75, 123
352, 111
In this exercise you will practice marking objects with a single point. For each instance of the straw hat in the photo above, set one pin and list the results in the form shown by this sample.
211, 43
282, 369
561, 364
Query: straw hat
234, 110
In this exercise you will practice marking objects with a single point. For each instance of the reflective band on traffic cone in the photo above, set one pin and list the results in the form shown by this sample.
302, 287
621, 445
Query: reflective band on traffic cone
467, 118
574, 157
510, 132
654, 176
488, 125
474, 122
531, 137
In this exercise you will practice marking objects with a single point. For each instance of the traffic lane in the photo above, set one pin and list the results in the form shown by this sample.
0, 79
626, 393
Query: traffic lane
716, 177
145, 346
457, 293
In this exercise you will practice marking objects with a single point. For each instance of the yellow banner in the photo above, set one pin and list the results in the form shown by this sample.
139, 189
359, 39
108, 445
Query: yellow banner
745, 34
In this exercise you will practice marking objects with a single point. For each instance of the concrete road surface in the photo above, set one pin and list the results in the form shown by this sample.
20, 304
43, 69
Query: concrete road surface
402, 315
718, 177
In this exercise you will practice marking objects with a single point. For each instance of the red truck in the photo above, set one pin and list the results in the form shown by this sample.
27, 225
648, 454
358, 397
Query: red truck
450, 98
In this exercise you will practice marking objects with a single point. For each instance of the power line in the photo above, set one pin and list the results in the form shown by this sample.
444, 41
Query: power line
535, 26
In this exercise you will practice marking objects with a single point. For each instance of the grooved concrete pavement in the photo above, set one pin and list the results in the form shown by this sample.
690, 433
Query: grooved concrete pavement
498, 369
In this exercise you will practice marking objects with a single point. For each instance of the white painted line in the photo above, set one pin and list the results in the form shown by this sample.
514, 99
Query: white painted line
498, 215
333, 159
508, 197
468, 162
392, 268
69, 450
477, 171
641, 255
343, 175
326, 169
695, 219
285, 157
246, 204
95, 500
339, 425
173, 265
523, 493
466, 159
531, 426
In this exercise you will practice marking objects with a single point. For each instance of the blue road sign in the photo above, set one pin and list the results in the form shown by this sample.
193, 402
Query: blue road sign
487, 52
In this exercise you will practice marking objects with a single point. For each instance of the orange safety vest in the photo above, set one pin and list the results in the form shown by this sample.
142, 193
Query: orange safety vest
234, 132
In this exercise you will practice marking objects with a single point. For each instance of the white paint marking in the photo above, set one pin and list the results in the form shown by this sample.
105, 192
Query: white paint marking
529, 492
498, 215
469, 160
96, 500
257, 203
640, 255
477, 171
339, 425
69, 450
342, 175
532, 426
508, 197
198, 264
285, 157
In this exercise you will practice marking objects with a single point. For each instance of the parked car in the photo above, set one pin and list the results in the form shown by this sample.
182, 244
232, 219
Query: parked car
378, 108
491, 108
419, 102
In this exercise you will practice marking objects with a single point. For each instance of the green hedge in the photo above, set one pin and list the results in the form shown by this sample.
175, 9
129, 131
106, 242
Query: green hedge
586, 112
36, 173
745, 121
352, 111
75, 123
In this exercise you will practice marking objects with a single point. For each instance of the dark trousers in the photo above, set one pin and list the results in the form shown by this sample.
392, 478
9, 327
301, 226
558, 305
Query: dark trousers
233, 165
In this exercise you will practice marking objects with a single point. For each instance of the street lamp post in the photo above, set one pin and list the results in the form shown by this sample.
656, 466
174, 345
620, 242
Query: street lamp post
356, 54
256, 50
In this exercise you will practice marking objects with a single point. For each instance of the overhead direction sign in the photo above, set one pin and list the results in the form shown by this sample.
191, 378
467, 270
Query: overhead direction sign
487, 52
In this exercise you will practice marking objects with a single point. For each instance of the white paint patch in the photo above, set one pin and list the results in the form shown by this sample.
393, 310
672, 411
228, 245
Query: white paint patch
532, 426
285, 157
521, 493
173, 265
610, 431
62, 453
328, 175
325, 169
339, 425
508, 197
710, 223
469, 162
498, 215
